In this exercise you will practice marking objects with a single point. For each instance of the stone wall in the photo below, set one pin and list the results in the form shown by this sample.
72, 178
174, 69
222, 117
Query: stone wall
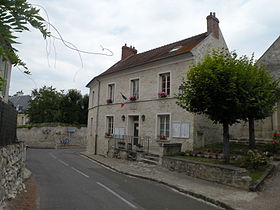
232, 176
51, 136
11, 171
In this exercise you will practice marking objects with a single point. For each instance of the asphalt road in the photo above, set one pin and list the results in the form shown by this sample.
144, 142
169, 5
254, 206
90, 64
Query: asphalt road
67, 180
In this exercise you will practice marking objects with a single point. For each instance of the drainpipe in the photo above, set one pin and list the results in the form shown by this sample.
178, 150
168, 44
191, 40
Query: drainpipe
97, 117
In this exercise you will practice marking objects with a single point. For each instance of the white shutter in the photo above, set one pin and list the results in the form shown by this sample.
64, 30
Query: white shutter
185, 130
176, 129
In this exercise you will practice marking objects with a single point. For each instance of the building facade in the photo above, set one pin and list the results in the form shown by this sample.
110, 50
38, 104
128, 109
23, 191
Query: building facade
136, 96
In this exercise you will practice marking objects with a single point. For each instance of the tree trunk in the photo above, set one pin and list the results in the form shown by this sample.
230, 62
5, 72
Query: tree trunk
226, 142
252, 142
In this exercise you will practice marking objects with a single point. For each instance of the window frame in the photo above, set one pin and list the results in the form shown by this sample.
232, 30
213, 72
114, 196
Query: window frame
132, 93
109, 128
158, 125
111, 91
167, 83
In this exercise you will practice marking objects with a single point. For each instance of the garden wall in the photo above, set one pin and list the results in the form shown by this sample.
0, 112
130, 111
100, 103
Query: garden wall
52, 136
11, 173
228, 175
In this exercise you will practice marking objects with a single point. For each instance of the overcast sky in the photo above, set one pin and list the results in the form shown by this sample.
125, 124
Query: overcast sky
248, 26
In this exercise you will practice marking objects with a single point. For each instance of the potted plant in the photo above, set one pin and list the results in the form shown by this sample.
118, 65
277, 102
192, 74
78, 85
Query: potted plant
129, 146
162, 94
132, 98
109, 101
121, 144
162, 137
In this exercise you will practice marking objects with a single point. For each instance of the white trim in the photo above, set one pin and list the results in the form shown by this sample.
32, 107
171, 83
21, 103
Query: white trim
170, 120
158, 82
114, 91
127, 124
106, 126
129, 89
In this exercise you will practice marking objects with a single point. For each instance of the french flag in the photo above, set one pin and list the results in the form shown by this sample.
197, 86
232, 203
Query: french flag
124, 100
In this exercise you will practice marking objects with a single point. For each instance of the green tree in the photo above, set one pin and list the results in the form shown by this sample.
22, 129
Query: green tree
260, 91
74, 107
15, 17
45, 105
213, 88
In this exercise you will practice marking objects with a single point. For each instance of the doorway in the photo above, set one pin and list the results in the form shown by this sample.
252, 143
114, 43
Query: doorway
134, 129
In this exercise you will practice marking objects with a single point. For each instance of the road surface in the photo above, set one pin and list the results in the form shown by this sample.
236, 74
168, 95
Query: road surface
67, 180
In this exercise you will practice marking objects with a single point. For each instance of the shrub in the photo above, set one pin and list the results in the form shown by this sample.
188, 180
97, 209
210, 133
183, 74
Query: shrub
254, 159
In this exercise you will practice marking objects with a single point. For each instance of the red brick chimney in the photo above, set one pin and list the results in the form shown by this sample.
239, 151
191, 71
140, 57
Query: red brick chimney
128, 51
213, 25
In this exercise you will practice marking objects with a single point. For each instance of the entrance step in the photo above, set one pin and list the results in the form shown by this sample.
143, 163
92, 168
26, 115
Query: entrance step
151, 158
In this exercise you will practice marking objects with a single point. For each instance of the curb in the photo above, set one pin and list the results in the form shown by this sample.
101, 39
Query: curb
256, 186
196, 195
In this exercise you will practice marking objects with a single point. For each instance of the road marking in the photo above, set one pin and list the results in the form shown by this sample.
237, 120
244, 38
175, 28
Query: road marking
80, 172
53, 156
61, 161
117, 195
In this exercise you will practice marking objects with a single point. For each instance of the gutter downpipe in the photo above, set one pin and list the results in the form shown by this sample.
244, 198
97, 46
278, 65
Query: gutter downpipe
97, 117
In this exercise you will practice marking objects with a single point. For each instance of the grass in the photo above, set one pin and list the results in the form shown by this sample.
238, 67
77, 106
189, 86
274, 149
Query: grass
255, 174
50, 124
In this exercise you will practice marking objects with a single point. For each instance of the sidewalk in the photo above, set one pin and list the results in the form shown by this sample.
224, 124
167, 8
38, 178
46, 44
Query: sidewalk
222, 195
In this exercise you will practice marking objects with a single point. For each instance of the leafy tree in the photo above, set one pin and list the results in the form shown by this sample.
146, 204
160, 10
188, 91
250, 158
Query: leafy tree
15, 16
74, 107
260, 92
213, 88
49, 105
45, 105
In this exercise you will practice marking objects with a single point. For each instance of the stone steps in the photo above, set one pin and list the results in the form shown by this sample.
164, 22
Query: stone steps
151, 158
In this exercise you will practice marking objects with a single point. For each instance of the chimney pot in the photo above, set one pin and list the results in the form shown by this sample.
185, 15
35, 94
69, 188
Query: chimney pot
128, 51
213, 25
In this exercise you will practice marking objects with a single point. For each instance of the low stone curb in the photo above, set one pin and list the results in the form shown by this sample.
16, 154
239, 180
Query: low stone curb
256, 186
200, 196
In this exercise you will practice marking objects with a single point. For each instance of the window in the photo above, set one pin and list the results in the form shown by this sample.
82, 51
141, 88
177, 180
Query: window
110, 125
163, 126
92, 99
91, 126
165, 83
111, 90
134, 88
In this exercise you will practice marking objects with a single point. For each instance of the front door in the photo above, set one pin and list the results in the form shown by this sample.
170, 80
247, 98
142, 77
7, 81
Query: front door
135, 130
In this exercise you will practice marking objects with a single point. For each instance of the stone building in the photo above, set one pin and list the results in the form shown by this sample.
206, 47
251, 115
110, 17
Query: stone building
21, 103
136, 97
264, 129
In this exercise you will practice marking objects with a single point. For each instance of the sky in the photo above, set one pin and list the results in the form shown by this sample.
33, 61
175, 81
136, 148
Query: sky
248, 26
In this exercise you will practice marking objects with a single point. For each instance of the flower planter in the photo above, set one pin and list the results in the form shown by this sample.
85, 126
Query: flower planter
132, 98
162, 94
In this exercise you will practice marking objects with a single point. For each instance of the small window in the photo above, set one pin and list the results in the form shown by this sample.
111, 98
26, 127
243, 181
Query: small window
110, 125
92, 99
165, 83
91, 126
163, 126
134, 88
111, 91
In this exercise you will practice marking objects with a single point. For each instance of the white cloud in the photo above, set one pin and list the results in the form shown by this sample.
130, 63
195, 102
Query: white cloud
248, 26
